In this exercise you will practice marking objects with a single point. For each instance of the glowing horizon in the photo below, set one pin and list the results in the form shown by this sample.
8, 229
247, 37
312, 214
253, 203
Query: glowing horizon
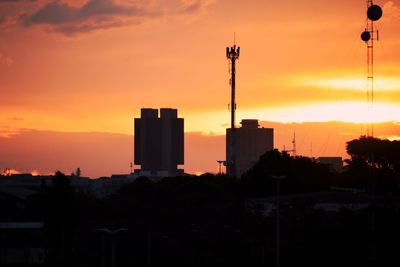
215, 122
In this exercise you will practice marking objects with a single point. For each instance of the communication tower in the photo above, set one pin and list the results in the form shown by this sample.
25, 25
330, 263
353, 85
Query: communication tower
232, 54
293, 150
374, 13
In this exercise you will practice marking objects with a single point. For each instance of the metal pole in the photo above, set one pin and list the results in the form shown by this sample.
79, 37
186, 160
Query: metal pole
148, 249
113, 250
233, 85
103, 248
278, 232
232, 53
277, 225
233, 106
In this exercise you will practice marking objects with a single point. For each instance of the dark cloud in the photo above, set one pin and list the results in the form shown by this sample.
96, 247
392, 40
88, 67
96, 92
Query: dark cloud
15, 1
72, 29
193, 7
62, 17
52, 13
95, 14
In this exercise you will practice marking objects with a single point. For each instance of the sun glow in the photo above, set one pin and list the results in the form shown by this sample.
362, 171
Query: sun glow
390, 137
353, 83
355, 112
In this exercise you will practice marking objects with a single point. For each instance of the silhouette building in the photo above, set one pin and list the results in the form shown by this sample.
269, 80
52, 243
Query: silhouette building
251, 142
159, 143
334, 163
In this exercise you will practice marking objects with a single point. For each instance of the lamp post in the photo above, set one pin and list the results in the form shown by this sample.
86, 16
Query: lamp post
112, 233
278, 236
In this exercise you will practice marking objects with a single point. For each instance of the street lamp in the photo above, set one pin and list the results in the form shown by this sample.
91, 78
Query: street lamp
278, 236
112, 233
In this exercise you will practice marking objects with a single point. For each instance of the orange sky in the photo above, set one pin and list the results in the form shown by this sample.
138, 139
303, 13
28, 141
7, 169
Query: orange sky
89, 66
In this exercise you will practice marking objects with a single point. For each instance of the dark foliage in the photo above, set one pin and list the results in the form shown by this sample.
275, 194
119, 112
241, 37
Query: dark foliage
374, 165
375, 153
301, 174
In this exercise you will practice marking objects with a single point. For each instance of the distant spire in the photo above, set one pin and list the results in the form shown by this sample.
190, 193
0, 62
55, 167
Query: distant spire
294, 142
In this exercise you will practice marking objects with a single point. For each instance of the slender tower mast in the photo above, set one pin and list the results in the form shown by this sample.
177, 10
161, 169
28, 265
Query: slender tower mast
374, 13
294, 151
232, 54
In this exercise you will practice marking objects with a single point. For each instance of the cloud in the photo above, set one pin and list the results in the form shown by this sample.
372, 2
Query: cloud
52, 13
7, 132
11, 10
7, 21
68, 19
93, 15
391, 12
60, 13
15, 118
15, 1
194, 6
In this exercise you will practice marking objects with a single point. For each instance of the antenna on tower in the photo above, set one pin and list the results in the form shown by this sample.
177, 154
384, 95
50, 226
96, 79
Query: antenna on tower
294, 152
232, 54
374, 13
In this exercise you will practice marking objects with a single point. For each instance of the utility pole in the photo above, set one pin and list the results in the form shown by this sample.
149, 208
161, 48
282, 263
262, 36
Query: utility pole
278, 230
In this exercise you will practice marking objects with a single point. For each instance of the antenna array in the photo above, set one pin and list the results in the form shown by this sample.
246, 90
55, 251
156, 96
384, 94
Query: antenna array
374, 13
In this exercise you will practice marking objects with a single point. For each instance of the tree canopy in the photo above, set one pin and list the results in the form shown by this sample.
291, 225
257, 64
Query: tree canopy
375, 153
302, 174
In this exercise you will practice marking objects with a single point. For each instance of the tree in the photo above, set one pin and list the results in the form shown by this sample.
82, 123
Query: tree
303, 174
374, 164
375, 153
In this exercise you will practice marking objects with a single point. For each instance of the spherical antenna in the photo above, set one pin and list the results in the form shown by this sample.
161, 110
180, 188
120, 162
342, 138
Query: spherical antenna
365, 36
374, 12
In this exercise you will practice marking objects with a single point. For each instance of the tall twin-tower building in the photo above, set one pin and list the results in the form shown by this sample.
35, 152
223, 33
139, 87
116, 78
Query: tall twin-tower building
159, 143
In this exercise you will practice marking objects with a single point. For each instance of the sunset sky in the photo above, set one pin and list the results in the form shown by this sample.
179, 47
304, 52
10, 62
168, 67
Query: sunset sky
83, 66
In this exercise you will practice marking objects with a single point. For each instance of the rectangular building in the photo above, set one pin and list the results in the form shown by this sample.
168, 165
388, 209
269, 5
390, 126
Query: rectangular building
334, 163
159, 142
251, 142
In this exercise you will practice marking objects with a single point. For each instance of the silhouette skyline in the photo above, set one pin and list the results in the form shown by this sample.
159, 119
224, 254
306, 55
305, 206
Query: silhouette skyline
115, 151
74, 73
81, 73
